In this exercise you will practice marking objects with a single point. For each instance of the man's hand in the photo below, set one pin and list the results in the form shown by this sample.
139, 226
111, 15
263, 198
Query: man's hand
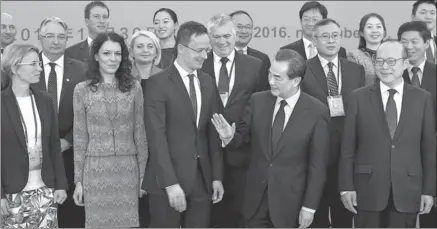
60, 196
305, 218
5, 207
176, 198
222, 126
65, 145
426, 203
218, 191
349, 200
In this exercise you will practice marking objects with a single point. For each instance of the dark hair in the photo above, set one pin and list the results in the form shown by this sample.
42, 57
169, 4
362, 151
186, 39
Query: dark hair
363, 21
173, 15
324, 22
394, 41
418, 26
123, 74
419, 2
240, 12
92, 5
186, 31
295, 62
313, 5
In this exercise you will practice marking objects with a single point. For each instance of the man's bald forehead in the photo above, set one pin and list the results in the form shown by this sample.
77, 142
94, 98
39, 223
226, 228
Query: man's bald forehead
394, 47
6, 18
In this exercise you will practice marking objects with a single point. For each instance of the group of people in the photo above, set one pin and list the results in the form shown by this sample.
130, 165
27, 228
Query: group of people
188, 126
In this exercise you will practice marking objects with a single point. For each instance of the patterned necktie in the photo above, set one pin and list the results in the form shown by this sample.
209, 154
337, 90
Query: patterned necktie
391, 113
241, 51
193, 96
223, 85
52, 87
278, 125
415, 80
332, 82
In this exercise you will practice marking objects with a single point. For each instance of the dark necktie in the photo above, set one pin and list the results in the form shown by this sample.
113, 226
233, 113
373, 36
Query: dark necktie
429, 55
2, 50
391, 113
193, 96
332, 82
240, 51
415, 80
52, 87
278, 125
223, 85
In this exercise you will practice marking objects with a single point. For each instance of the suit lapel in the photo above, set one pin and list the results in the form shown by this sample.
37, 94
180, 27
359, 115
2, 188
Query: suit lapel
427, 78
345, 80
238, 77
407, 101
376, 101
14, 114
205, 92
406, 76
301, 49
42, 78
85, 50
66, 77
319, 74
268, 114
181, 89
208, 65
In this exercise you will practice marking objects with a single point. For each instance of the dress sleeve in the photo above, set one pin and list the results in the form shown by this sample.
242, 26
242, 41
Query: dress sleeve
80, 131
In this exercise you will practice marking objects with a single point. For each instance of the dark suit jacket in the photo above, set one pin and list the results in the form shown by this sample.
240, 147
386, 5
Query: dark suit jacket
371, 163
295, 173
264, 75
299, 47
176, 145
79, 51
247, 77
74, 73
14, 155
315, 84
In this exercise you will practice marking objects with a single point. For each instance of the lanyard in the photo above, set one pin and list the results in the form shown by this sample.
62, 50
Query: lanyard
338, 81
34, 120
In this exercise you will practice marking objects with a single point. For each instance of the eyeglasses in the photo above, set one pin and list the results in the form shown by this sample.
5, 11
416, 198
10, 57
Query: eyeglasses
311, 19
246, 27
100, 17
33, 64
199, 51
327, 37
52, 36
389, 61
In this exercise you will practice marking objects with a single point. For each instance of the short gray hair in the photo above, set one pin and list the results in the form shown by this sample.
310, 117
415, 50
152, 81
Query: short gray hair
14, 54
52, 19
220, 20
152, 37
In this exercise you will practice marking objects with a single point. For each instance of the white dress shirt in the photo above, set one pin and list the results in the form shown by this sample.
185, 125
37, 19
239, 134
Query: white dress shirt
186, 80
89, 40
244, 49
419, 73
335, 69
59, 69
307, 44
218, 65
288, 109
397, 97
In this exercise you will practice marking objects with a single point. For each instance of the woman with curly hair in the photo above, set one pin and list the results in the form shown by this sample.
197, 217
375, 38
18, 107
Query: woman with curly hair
110, 146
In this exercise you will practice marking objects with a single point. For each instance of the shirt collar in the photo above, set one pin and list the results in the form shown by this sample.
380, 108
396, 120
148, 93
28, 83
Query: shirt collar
244, 49
306, 42
325, 62
291, 100
89, 40
399, 88
421, 66
58, 62
230, 57
182, 71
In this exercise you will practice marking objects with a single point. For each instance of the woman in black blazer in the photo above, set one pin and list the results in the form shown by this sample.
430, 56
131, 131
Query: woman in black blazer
33, 179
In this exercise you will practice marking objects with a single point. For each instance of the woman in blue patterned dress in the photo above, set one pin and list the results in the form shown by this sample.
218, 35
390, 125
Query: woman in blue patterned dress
110, 146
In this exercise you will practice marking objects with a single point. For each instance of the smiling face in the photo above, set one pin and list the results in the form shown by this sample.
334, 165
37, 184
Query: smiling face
244, 29
415, 46
144, 50
164, 25
426, 12
309, 19
373, 31
390, 75
223, 39
29, 69
8, 30
109, 57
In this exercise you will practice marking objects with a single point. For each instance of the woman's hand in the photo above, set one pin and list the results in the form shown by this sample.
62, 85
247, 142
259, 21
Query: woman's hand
78, 194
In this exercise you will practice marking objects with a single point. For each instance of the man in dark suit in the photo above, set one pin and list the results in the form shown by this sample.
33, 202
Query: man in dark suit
244, 25
97, 21
289, 141
388, 157
236, 76
331, 79
425, 10
185, 165
421, 73
310, 13
59, 77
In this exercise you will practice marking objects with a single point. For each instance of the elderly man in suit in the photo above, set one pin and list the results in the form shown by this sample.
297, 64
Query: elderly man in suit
388, 157
289, 144
59, 77
97, 21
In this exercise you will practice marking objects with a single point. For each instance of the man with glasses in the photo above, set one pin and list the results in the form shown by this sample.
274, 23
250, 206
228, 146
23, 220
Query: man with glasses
236, 76
331, 78
244, 24
97, 21
59, 77
387, 168
310, 13
184, 172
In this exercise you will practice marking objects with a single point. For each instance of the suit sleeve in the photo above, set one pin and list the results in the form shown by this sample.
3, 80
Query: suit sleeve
318, 161
140, 131
428, 149
342, 52
215, 150
243, 128
55, 151
348, 147
80, 132
156, 132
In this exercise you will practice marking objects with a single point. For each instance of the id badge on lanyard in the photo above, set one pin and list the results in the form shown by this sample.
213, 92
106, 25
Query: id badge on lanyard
335, 102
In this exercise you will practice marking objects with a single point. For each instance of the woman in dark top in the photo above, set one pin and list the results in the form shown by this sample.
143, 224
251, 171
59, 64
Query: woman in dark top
372, 32
33, 180
166, 24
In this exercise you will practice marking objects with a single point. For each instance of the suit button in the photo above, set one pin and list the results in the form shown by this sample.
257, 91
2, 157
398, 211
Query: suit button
392, 146
264, 182
195, 156
270, 165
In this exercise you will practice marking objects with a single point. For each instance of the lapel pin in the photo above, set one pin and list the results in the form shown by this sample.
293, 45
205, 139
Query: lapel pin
68, 80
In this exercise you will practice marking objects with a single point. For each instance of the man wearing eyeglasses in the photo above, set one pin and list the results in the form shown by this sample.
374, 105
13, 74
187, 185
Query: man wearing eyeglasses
387, 172
59, 77
236, 76
97, 21
331, 78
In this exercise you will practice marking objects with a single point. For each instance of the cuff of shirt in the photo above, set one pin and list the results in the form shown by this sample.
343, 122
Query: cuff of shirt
344, 192
312, 211
170, 186
225, 142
